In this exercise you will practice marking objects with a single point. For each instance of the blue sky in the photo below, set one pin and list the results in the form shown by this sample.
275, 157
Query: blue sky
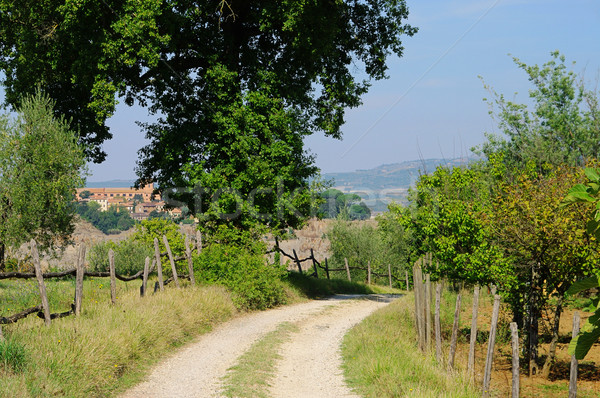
431, 107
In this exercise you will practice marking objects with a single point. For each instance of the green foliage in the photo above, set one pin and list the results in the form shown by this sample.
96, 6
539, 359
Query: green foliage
589, 195
130, 256
444, 219
336, 204
112, 221
13, 356
147, 230
41, 164
263, 75
254, 283
362, 243
561, 127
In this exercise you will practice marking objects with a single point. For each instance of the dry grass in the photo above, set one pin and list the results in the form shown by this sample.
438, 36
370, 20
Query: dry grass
254, 370
108, 348
381, 359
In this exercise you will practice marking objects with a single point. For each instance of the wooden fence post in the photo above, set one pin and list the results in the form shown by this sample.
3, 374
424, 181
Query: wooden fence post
40, 278
188, 255
407, 285
170, 254
454, 338
145, 277
574, 362
347, 269
473, 340
514, 333
419, 304
390, 274
1, 335
79, 279
438, 331
428, 310
297, 260
326, 268
113, 282
199, 241
312, 255
161, 284
369, 272
487, 375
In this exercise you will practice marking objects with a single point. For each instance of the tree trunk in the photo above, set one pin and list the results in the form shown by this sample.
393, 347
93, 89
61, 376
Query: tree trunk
2, 250
552, 350
533, 322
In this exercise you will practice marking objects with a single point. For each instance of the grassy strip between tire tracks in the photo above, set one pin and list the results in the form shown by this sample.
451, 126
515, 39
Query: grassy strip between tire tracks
381, 359
251, 375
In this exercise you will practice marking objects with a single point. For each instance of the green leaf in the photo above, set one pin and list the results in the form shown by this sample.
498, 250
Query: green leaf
592, 174
587, 337
580, 196
583, 284
592, 227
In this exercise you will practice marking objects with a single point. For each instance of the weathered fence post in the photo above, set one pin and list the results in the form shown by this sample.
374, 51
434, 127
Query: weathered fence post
326, 268
113, 282
188, 255
438, 331
473, 340
574, 362
390, 274
487, 374
297, 260
79, 279
199, 241
347, 269
40, 278
161, 284
1, 335
454, 338
170, 254
514, 337
314, 260
369, 272
407, 285
419, 304
428, 310
145, 277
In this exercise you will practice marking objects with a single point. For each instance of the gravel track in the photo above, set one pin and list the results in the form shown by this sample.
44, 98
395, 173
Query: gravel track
311, 360
195, 370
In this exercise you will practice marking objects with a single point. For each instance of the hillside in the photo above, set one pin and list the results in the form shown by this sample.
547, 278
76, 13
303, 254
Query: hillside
378, 186
389, 182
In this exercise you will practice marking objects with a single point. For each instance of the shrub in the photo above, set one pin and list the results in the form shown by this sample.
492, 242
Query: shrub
254, 283
12, 356
130, 256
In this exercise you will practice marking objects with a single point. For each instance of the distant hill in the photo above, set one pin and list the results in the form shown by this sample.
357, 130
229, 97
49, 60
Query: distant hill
389, 182
378, 186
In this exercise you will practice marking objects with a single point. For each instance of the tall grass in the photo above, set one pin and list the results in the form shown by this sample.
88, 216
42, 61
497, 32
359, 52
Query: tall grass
108, 348
381, 358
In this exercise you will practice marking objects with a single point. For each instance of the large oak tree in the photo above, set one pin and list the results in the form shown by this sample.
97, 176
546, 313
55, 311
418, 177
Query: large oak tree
237, 84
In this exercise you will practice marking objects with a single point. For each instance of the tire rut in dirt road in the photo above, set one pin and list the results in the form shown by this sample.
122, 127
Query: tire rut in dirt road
195, 370
311, 361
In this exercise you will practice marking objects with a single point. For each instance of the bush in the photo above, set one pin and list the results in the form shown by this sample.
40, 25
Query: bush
12, 356
130, 256
254, 283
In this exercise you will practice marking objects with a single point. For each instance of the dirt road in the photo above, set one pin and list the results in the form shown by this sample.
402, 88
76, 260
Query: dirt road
310, 364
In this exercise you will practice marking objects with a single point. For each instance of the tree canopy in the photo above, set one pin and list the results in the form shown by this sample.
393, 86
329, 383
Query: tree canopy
235, 84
